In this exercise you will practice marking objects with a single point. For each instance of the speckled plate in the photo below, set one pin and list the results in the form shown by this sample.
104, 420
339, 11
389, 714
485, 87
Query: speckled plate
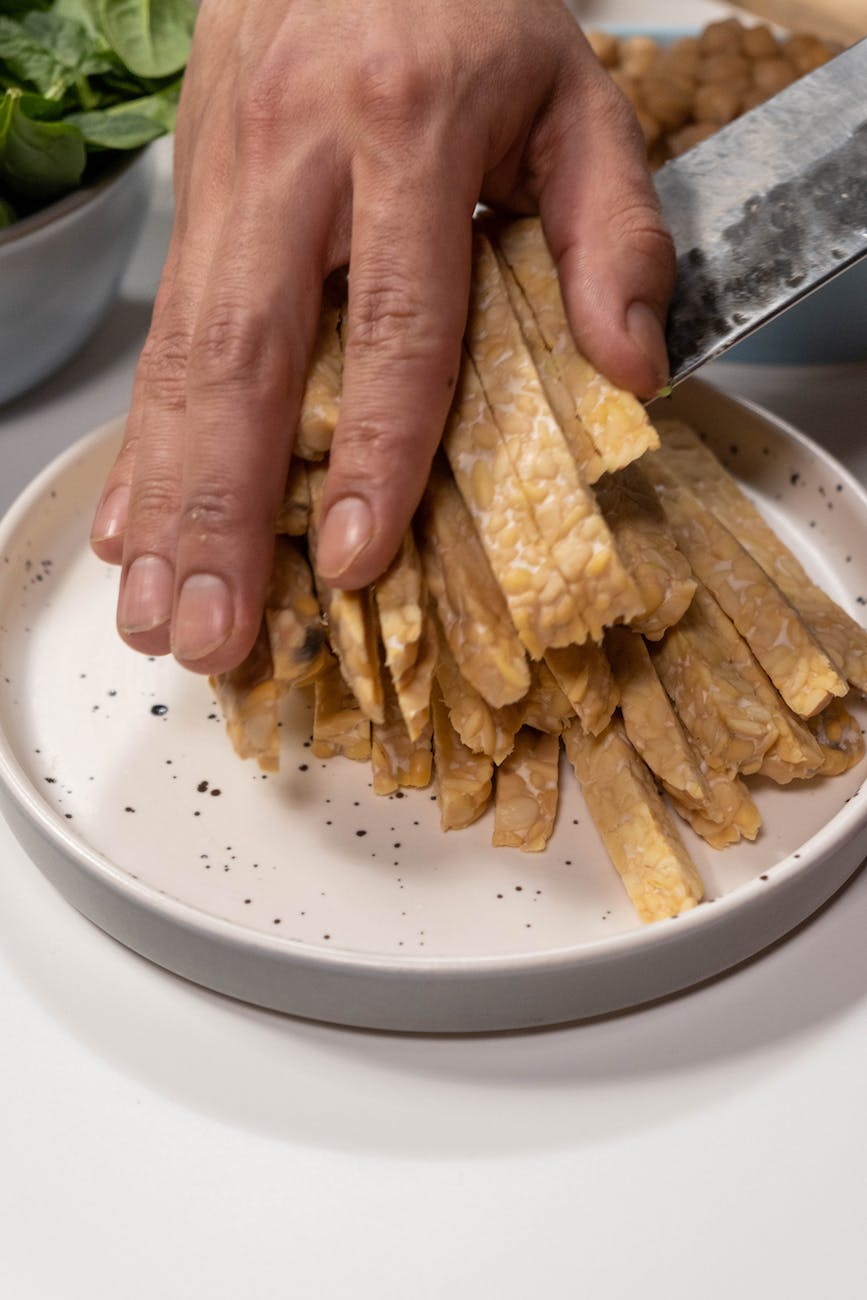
307, 893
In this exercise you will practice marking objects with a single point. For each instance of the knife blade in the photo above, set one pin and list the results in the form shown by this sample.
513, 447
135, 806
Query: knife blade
767, 210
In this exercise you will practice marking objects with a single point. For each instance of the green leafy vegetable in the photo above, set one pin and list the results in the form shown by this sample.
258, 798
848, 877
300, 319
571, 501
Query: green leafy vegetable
80, 80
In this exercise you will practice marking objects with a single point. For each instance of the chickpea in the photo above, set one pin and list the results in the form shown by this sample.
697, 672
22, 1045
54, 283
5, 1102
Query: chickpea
805, 53
760, 42
724, 37
725, 69
681, 58
606, 48
752, 97
772, 75
717, 103
688, 136
638, 55
667, 99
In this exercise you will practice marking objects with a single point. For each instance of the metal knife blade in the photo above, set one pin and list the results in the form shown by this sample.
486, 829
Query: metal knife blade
767, 210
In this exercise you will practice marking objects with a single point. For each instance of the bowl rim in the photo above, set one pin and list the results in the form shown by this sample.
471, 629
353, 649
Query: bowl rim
72, 202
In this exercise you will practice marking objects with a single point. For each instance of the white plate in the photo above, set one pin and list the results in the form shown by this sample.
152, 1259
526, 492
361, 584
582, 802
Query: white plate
307, 893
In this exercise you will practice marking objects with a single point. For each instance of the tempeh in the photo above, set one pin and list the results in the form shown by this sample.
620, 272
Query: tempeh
463, 777
730, 815
584, 675
651, 723
351, 622
797, 665
295, 628
563, 507
633, 822
647, 547
320, 403
472, 609
396, 759
615, 420
413, 689
294, 515
400, 599
840, 738
546, 706
248, 697
339, 725
483, 729
525, 798
694, 464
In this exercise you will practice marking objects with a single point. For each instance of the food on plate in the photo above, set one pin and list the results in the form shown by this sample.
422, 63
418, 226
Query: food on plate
684, 91
650, 618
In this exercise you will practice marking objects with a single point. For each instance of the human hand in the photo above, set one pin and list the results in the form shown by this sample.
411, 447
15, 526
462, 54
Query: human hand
307, 129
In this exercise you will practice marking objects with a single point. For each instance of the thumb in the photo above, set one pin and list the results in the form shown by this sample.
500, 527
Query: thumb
604, 227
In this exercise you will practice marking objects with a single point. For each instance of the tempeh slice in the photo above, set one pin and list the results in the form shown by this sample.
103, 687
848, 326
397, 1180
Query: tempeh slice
651, 723
636, 827
525, 799
563, 506
546, 706
248, 697
694, 464
730, 815
294, 515
840, 738
543, 611
413, 689
397, 760
795, 662
584, 675
646, 545
615, 420
562, 400
483, 729
400, 599
339, 726
471, 607
351, 618
295, 628
463, 778
794, 753
320, 404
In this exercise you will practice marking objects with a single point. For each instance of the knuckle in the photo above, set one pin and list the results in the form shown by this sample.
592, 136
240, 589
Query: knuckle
154, 501
163, 368
392, 86
227, 348
211, 513
389, 315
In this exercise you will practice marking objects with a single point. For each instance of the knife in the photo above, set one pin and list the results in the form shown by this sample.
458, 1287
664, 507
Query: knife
767, 210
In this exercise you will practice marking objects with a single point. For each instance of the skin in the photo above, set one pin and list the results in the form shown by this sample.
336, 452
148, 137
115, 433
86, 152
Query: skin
369, 127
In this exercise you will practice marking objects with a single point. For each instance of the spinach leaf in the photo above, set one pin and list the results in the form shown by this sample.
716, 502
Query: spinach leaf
152, 37
106, 129
38, 159
51, 52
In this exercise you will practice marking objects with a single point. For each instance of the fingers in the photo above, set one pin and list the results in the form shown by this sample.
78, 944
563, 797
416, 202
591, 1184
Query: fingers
604, 226
408, 292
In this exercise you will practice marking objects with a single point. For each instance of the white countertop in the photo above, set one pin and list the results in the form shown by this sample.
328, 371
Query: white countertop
161, 1141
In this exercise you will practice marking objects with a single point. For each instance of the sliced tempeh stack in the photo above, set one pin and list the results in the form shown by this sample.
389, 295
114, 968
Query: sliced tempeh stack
296, 631
463, 776
339, 725
525, 799
248, 697
320, 403
584, 675
293, 518
480, 727
398, 759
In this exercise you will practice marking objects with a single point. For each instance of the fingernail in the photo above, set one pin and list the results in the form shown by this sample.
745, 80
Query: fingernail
642, 324
146, 599
111, 517
204, 617
345, 531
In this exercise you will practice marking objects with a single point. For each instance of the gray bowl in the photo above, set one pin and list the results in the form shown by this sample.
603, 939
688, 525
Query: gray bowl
60, 270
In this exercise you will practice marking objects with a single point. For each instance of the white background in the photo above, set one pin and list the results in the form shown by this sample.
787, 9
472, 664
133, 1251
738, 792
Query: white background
160, 1141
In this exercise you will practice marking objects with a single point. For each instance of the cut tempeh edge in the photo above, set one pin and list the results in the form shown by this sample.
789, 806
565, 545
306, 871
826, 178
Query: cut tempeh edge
396, 758
542, 609
685, 456
646, 545
783, 644
463, 778
320, 402
526, 794
584, 675
296, 632
794, 753
249, 697
651, 723
633, 822
840, 738
615, 420
479, 726
731, 730
293, 517
339, 725
400, 600
730, 815
352, 627
564, 508
546, 706
413, 689
471, 607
